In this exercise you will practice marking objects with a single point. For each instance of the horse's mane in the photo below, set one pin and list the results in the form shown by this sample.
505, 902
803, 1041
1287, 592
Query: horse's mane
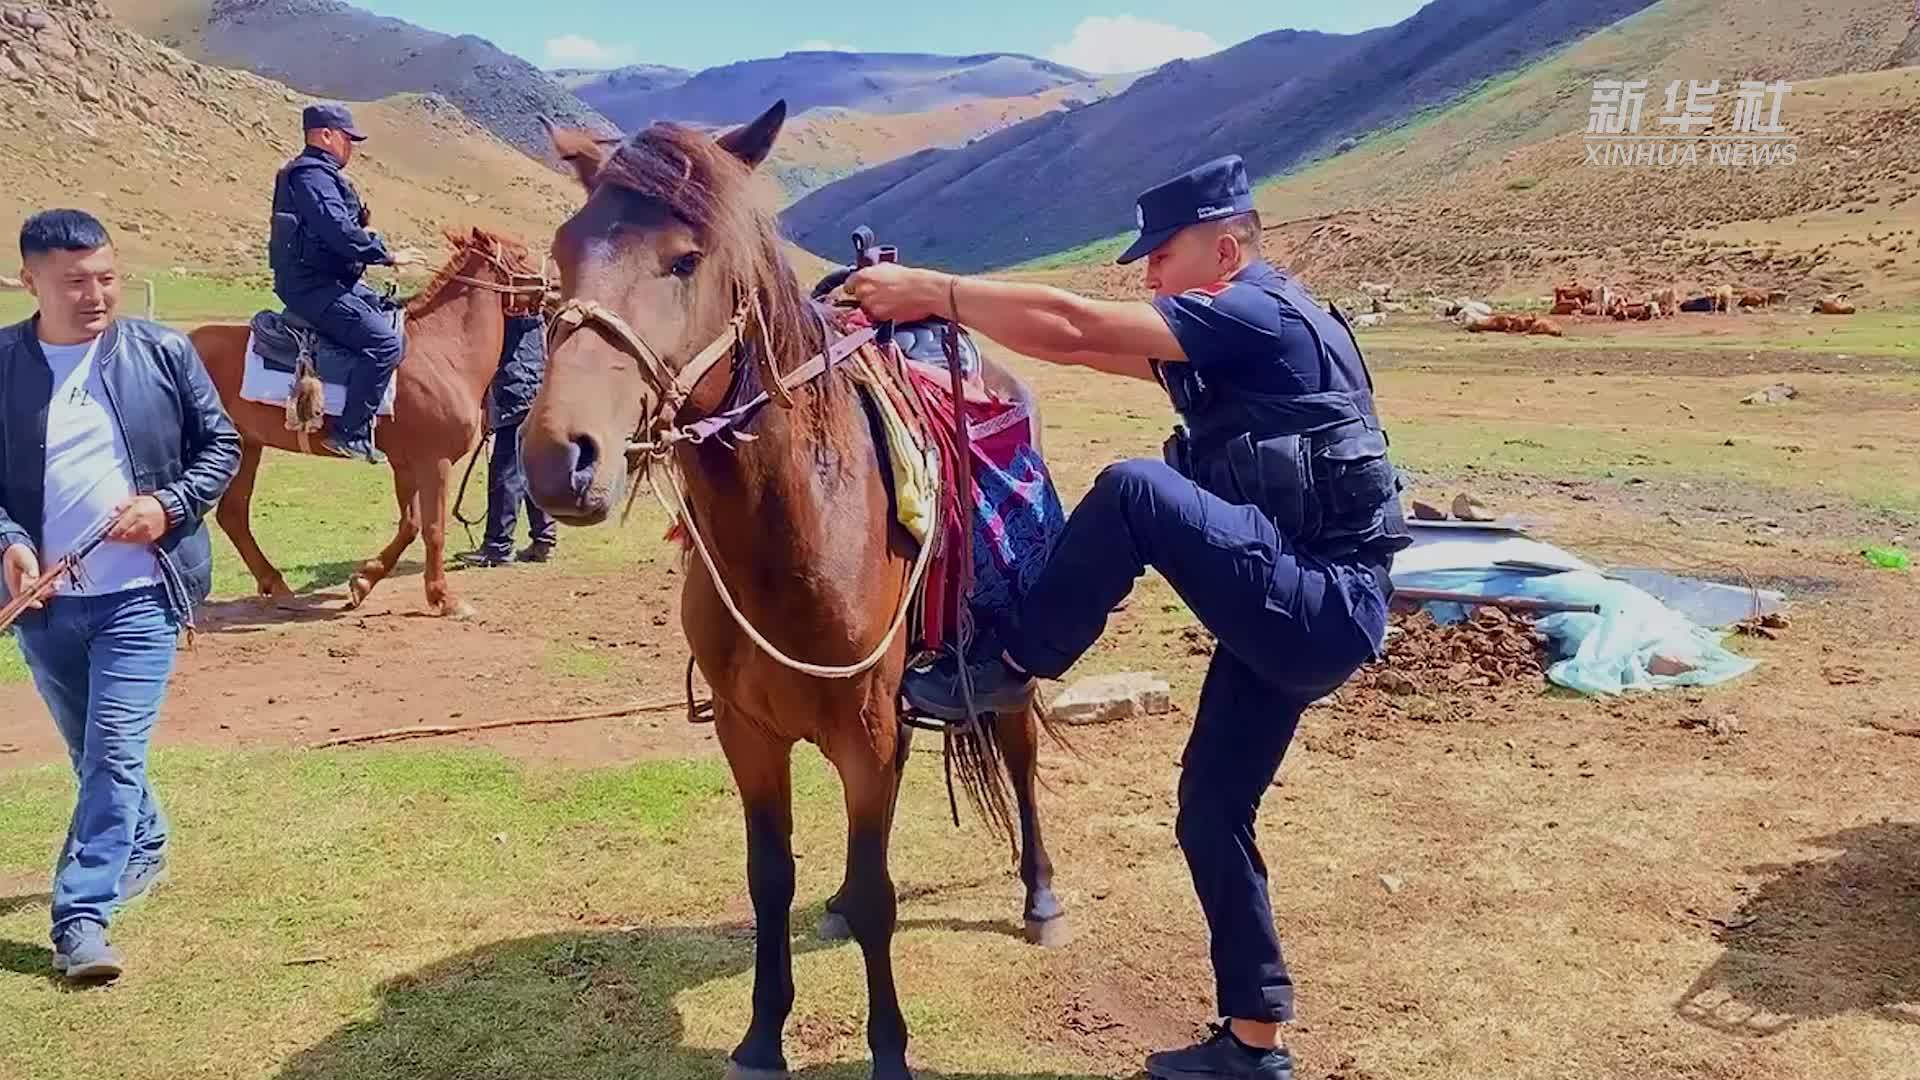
511, 251
701, 183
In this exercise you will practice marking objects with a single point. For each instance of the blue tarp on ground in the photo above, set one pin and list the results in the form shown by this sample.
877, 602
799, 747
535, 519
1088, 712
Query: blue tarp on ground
1604, 654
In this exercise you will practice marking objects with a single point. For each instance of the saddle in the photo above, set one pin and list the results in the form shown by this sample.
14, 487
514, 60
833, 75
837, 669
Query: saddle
282, 338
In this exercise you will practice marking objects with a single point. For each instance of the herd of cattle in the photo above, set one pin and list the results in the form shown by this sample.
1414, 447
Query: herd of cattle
1574, 300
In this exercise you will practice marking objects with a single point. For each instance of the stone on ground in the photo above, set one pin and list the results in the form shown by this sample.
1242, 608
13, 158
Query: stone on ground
1104, 699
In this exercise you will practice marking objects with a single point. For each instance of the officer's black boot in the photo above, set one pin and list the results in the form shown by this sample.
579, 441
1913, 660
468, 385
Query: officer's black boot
993, 686
1222, 1057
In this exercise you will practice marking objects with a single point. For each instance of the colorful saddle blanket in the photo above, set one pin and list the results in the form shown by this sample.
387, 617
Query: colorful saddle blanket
1010, 518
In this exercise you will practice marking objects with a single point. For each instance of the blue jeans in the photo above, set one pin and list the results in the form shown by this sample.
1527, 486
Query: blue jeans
507, 492
101, 664
1291, 629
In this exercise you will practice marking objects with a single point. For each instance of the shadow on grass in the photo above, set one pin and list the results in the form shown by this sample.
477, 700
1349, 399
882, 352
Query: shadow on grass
23, 958
1820, 938
583, 1005
11, 904
245, 614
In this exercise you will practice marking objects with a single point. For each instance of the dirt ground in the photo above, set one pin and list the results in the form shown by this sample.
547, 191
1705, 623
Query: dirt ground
1499, 881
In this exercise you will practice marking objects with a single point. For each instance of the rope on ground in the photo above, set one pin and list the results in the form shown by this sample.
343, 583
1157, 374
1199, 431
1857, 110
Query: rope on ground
434, 731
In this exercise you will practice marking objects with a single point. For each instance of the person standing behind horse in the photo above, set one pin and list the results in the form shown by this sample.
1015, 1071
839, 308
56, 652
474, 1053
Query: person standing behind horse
523, 365
320, 248
104, 419
1275, 517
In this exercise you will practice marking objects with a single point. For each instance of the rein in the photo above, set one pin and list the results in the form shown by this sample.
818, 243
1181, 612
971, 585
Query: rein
658, 434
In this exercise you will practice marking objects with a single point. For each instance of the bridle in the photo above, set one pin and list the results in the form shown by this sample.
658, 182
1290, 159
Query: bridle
656, 433
659, 431
520, 284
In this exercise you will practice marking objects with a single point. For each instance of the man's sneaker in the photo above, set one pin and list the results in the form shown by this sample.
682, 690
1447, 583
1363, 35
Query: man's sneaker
937, 692
1221, 1057
535, 552
481, 558
141, 877
362, 449
82, 953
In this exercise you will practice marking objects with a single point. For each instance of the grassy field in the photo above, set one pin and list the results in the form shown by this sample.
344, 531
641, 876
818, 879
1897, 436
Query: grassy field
272, 935
1566, 886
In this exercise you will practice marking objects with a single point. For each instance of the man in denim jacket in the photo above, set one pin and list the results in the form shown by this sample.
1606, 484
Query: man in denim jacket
104, 422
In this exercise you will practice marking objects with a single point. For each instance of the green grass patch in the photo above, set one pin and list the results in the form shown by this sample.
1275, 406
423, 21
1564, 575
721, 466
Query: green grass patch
13, 666
1104, 250
1524, 183
177, 298
405, 914
577, 661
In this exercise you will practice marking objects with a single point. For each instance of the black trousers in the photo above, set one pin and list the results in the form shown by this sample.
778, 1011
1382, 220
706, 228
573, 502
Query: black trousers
1290, 630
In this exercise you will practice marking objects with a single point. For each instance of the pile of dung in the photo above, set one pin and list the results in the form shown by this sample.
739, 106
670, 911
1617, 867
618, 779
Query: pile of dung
1489, 649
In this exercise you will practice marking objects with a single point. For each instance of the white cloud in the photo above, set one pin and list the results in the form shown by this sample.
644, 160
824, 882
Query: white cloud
576, 50
1108, 44
823, 45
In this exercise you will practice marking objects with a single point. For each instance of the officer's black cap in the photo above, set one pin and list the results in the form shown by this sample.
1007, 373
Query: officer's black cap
1218, 189
330, 115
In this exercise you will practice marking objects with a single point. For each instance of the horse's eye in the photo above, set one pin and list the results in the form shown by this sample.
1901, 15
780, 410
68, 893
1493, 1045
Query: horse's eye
685, 265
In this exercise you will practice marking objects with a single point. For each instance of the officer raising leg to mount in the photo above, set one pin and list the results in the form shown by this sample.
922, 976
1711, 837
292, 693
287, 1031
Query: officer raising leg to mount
1275, 517
319, 250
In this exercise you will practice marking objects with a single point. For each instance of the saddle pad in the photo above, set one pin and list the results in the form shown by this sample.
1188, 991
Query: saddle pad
278, 344
265, 384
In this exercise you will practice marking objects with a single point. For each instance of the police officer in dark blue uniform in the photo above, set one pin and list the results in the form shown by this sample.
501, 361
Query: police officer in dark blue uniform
523, 365
320, 247
1274, 514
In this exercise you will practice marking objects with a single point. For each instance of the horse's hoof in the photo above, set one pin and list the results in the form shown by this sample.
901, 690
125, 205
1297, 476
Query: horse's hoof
457, 610
737, 1071
358, 589
834, 927
1051, 933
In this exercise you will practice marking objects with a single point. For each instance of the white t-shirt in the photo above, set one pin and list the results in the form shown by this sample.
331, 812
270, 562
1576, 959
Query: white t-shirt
88, 474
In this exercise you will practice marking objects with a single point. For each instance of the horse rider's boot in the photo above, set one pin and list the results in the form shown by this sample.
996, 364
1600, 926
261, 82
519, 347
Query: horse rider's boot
940, 691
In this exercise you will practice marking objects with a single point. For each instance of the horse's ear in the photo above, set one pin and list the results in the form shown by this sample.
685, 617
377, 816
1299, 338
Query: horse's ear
585, 152
753, 142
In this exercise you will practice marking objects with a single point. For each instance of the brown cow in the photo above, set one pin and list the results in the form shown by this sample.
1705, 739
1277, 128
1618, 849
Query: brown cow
1754, 298
1548, 327
1566, 306
1833, 304
1590, 308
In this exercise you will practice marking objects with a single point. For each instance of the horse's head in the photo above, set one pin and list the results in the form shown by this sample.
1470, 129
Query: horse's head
487, 261
666, 255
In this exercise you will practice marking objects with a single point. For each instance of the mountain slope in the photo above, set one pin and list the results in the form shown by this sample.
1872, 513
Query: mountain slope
863, 82
1494, 195
1277, 100
823, 145
330, 49
178, 157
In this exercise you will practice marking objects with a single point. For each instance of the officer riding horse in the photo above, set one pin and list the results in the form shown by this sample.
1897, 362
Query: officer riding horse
320, 248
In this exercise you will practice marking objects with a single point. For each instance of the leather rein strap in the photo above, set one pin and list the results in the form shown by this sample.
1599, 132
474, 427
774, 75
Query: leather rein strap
658, 435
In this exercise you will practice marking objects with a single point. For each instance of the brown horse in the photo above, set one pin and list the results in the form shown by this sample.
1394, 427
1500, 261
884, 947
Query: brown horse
670, 272
456, 327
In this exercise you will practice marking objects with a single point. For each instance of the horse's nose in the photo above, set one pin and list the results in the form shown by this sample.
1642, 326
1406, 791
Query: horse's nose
561, 475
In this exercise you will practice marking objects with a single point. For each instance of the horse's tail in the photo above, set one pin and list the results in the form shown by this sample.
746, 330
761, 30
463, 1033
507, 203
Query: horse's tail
974, 755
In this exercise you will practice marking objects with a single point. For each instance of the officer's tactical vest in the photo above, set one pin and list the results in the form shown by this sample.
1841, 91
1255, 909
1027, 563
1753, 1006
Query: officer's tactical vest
288, 241
1316, 464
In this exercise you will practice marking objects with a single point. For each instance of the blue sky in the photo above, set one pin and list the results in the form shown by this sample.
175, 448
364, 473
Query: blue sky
1144, 33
